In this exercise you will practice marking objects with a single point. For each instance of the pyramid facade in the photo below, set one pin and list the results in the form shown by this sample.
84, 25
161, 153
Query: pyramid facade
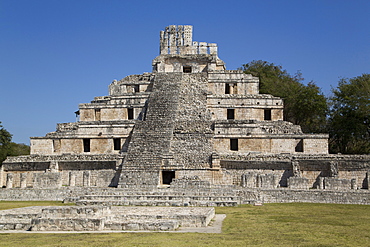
188, 121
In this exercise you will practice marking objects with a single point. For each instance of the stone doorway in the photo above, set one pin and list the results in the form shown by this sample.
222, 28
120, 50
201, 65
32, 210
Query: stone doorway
167, 177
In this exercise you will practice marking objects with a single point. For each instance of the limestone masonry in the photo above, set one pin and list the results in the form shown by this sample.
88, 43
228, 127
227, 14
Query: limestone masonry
189, 133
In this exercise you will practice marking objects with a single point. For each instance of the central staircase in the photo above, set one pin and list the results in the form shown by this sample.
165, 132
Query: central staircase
151, 138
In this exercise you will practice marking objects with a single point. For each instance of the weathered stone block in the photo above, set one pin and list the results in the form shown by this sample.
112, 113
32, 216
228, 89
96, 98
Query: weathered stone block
47, 180
298, 183
337, 184
9, 180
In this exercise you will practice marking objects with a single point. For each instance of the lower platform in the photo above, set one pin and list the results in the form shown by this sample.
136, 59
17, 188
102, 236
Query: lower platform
105, 218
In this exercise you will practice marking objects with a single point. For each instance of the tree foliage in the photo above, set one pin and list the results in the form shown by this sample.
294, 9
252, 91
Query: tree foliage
18, 149
304, 105
5, 139
9, 148
349, 121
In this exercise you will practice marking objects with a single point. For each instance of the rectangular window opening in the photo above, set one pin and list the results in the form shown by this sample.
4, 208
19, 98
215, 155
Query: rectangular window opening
186, 69
136, 88
267, 114
130, 113
230, 113
227, 88
86, 143
97, 115
167, 177
234, 146
56, 145
231, 88
117, 143
299, 146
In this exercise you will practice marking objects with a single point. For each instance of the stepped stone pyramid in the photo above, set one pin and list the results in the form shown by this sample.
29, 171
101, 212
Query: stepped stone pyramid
163, 139
189, 125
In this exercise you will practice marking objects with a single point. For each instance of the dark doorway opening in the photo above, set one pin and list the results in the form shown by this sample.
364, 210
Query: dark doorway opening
227, 88
130, 113
86, 145
299, 146
167, 177
234, 145
186, 69
267, 114
117, 143
230, 113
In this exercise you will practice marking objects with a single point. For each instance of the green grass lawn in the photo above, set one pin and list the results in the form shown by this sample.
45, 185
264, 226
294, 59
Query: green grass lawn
293, 224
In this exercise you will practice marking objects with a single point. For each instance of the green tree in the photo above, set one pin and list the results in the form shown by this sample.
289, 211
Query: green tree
304, 105
5, 139
349, 121
16, 149
9, 148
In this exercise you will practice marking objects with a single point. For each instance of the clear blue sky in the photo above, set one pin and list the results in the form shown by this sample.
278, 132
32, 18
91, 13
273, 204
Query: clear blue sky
55, 54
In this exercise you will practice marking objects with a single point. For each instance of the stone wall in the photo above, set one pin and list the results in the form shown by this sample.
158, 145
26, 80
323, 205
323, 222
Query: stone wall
55, 171
178, 40
69, 139
131, 84
333, 172
265, 144
314, 196
261, 195
41, 146
212, 176
245, 83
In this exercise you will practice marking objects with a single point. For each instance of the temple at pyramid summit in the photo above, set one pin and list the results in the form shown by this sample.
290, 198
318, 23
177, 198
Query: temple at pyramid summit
189, 126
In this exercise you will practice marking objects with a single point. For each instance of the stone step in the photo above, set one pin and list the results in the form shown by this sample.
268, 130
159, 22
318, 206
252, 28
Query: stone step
168, 197
101, 218
67, 224
152, 225
18, 218
73, 211
16, 225
161, 203
15, 216
151, 138
166, 192
187, 216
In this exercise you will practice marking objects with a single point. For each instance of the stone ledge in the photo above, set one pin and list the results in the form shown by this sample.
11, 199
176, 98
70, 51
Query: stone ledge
102, 218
